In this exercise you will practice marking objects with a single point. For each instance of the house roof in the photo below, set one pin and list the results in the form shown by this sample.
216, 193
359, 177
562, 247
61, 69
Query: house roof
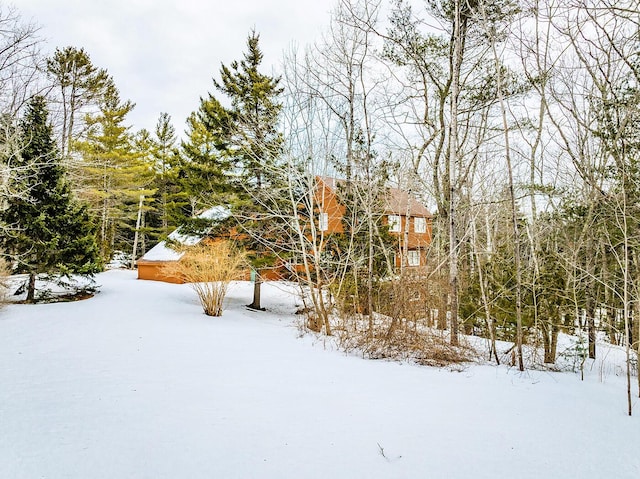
397, 201
163, 251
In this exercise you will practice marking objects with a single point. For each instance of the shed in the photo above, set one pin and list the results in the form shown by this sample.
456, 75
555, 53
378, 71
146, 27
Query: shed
151, 264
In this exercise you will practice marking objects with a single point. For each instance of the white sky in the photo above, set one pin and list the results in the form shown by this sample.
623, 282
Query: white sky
163, 54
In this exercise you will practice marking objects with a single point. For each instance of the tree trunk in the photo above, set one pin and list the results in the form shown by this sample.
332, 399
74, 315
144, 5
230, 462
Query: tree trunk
257, 283
514, 211
483, 293
549, 357
550, 342
591, 327
456, 62
370, 280
135, 236
31, 288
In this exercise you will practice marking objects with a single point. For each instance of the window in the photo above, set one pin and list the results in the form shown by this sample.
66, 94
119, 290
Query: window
420, 225
395, 223
323, 221
413, 258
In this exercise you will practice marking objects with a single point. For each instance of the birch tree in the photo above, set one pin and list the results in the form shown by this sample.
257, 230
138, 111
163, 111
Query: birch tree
20, 78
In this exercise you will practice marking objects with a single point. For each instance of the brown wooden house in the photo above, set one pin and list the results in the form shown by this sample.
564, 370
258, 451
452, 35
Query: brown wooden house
152, 265
408, 220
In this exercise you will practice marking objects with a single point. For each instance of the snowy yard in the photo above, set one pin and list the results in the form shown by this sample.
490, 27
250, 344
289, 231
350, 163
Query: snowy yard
139, 383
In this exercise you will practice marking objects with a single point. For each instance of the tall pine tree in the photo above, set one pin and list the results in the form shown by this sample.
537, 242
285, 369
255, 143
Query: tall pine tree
169, 201
237, 147
114, 173
79, 83
49, 231
250, 131
242, 144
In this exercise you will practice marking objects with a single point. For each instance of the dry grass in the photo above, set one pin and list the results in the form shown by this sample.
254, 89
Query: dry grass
405, 326
401, 340
209, 267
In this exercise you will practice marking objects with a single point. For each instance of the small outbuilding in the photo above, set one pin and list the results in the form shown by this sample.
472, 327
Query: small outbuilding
151, 265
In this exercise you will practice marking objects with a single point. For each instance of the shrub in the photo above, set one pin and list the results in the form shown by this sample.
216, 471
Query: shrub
209, 267
404, 325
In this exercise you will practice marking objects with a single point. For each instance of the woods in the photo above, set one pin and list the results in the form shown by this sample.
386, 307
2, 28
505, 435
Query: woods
516, 123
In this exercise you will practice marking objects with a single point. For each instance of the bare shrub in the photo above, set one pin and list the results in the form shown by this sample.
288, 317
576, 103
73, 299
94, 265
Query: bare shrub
415, 342
413, 298
209, 267
405, 326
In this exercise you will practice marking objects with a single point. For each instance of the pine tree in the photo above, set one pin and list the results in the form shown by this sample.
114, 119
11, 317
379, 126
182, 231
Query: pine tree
51, 232
114, 174
169, 200
80, 84
241, 145
234, 150
250, 129
207, 166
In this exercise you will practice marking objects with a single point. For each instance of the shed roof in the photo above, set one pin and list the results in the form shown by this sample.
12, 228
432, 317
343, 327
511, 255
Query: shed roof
163, 251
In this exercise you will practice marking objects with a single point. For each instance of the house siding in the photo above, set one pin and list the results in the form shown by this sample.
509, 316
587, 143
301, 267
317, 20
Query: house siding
400, 203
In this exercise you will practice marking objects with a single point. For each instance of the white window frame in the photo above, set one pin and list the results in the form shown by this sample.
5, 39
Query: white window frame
323, 221
413, 257
419, 225
395, 223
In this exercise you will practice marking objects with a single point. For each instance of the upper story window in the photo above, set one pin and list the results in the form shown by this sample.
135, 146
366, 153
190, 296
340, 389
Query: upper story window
395, 223
323, 221
420, 225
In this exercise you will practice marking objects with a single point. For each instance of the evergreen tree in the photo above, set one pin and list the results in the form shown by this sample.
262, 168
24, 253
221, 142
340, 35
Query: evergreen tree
169, 201
238, 147
51, 232
114, 173
80, 84
207, 166
249, 127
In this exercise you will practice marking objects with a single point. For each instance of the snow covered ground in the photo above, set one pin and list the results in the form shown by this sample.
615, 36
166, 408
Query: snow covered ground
139, 383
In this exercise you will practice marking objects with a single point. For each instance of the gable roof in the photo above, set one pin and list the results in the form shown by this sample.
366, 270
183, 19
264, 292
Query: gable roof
397, 201
164, 252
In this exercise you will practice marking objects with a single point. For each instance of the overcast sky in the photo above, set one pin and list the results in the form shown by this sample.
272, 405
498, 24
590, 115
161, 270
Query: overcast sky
163, 54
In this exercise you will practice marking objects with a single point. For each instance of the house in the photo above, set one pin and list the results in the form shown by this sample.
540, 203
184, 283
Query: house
408, 219
152, 264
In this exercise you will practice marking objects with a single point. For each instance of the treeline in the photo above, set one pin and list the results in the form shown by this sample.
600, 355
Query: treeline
107, 166
516, 121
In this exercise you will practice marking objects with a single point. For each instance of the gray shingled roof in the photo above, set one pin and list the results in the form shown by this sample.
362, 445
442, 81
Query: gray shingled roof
396, 200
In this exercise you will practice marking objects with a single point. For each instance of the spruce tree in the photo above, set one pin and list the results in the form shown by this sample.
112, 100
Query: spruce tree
50, 231
238, 147
250, 131
243, 146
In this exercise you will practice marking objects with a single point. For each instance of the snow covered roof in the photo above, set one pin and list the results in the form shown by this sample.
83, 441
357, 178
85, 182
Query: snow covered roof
163, 252
217, 213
